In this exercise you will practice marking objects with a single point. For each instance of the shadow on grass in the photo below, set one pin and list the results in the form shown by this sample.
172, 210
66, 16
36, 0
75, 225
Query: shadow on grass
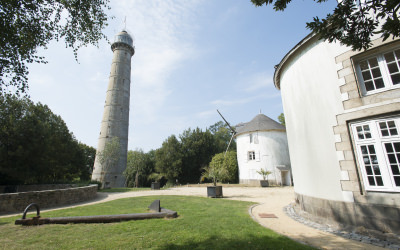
3, 223
249, 242
265, 242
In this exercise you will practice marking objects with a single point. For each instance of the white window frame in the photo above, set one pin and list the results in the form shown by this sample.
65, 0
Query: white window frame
387, 80
378, 141
251, 155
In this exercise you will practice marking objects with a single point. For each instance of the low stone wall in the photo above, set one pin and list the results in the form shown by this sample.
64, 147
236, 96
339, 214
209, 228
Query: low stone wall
37, 187
383, 218
17, 202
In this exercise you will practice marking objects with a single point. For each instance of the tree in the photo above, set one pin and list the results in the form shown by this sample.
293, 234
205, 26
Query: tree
222, 135
352, 23
109, 157
28, 25
281, 119
89, 154
197, 148
35, 144
222, 168
139, 166
231, 164
169, 159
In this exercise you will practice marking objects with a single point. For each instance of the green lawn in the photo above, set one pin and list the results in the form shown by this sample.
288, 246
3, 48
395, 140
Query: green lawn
203, 223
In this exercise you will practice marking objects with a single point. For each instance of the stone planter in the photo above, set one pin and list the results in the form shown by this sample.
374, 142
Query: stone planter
155, 185
264, 183
214, 191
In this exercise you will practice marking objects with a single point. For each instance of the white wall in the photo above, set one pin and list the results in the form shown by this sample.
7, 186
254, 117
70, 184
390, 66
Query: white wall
311, 100
271, 150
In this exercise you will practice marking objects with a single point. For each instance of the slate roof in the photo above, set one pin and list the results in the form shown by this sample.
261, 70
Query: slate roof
259, 123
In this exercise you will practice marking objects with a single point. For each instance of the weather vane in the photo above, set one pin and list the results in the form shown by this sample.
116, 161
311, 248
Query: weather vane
125, 23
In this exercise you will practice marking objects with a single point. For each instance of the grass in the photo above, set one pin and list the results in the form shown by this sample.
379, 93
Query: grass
203, 223
122, 190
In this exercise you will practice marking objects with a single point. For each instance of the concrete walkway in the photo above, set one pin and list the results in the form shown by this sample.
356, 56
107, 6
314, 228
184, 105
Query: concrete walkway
270, 201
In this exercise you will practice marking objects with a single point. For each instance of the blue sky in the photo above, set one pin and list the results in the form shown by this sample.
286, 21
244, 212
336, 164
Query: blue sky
192, 57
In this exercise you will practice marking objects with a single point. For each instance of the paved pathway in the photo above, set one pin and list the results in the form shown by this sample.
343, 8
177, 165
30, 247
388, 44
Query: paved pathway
270, 200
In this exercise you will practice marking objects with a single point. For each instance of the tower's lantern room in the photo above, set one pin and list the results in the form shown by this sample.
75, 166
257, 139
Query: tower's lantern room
123, 38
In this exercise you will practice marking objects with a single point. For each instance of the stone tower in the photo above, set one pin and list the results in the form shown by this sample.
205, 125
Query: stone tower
115, 122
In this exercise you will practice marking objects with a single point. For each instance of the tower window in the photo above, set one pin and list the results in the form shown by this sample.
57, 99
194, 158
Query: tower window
251, 155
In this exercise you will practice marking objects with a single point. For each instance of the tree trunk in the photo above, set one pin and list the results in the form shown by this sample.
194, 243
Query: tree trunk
137, 179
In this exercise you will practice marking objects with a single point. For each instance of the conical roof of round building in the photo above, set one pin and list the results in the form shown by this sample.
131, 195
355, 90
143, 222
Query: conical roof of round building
260, 123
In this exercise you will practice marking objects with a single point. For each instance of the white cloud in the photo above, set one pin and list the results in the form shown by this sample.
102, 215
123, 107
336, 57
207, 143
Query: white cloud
241, 101
206, 114
42, 80
258, 81
163, 30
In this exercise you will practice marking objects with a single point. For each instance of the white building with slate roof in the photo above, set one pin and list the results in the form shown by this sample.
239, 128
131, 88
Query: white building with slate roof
262, 144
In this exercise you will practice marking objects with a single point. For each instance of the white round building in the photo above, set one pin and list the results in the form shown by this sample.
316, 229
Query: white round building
262, 144
342, 112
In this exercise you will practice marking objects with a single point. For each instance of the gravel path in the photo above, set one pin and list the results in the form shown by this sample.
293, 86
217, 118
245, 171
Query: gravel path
272, 200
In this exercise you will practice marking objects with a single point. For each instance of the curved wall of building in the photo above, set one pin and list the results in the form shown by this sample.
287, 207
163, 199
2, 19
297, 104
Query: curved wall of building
311, 100
270, 151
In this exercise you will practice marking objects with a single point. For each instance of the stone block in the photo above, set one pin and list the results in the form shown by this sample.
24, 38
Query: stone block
345, 72
351, 79
347, 63
353, 175
354, 94
345, 56
365, 112
352, 103
345, 137
347, 165
340, 129
350, 186
349, 86
348, 155
342, 146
